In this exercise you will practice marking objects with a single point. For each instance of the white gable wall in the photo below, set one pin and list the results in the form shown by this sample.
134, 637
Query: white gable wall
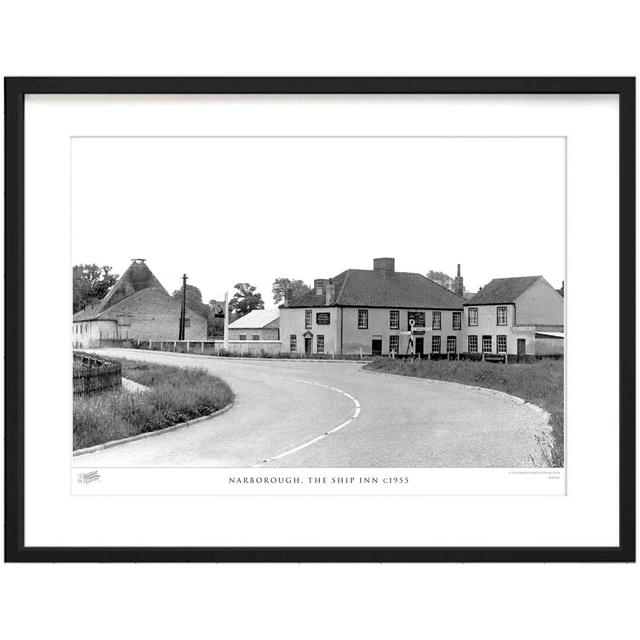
540, 304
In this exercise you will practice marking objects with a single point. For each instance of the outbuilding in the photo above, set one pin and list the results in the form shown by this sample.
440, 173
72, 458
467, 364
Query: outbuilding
261, 324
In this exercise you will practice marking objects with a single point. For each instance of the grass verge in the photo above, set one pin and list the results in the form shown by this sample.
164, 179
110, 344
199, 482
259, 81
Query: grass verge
541, 383
176, 394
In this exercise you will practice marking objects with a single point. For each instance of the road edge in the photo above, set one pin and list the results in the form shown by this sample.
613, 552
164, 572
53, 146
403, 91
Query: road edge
148, 434
544, 436
235, 358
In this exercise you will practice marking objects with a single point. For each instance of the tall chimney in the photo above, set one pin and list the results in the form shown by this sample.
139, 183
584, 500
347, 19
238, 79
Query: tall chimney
331, 292
458, 284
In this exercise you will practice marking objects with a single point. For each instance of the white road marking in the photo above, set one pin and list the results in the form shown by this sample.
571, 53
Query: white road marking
356, 413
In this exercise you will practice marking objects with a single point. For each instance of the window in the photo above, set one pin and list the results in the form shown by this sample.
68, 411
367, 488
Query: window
452, 344
255, 336
394, 320
187, 322
417, 316
242, 336
473, 344
363, 319
308, 316
435, 344
457, 320
320, 344
486, 344
436, 322
293, 343
501, 344
502, 316
473, 316
394, 344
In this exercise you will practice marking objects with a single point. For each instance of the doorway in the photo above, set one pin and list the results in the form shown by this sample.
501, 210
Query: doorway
419, 346
376, 347
307, 345
522, 349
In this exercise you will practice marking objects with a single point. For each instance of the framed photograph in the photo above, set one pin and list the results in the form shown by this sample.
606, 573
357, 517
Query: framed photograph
320, 319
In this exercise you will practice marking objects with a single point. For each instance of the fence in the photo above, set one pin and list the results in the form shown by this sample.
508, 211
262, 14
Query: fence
236, 349
92, 374
483, 357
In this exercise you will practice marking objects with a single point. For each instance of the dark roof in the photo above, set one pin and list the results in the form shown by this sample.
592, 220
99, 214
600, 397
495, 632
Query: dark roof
137, 277
502, 290
378, 288
111, 313
88, 313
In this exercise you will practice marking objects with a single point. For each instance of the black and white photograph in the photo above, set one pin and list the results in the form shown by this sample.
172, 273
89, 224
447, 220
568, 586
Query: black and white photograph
327, 301
320, 320
358, 311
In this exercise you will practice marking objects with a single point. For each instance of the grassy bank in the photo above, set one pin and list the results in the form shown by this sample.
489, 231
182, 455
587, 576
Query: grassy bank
176, 394
541, 383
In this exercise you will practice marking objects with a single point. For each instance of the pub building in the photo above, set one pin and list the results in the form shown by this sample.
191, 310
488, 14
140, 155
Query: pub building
374, 312
381, 311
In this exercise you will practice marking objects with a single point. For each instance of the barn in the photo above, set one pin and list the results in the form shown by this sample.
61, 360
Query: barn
137, 307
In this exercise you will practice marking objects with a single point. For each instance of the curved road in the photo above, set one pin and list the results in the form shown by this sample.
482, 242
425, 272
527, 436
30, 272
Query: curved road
332, 414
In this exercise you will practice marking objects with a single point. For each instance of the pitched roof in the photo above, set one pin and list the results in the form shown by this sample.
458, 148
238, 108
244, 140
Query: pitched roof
257, 319
112, 312
502, 290
88, 313
378, 288
137, 277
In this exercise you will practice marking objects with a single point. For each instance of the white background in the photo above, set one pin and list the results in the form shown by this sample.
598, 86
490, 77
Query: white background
253, 209
586, 516
490, 38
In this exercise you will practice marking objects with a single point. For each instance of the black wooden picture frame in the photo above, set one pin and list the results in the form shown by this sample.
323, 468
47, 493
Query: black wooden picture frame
15, 91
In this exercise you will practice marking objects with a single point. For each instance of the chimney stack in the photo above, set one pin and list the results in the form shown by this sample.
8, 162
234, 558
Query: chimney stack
331, 292
319, 285
458, 284
288, 296
387, 265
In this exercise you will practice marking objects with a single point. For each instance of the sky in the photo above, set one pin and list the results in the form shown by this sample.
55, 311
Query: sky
228, 210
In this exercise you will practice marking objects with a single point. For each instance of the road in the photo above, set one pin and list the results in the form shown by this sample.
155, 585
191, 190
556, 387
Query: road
333, 414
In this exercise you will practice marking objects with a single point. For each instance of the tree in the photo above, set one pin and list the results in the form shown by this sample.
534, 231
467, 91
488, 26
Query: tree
193, 300
215, 327
91, 283
280, 286
441, 278
245, 300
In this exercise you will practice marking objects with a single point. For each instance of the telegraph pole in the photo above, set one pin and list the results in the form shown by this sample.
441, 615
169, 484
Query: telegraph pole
226, 320
183, 308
